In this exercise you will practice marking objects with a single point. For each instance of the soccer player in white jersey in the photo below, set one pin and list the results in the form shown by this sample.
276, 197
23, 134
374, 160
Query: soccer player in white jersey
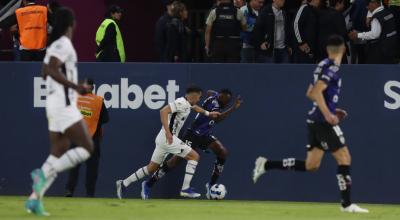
64, 119
173, 116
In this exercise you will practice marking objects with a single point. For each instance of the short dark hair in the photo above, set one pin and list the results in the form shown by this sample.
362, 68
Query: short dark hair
226, 91
113, 9
193, 89
170, 2
178, 7
377, 1
335, 41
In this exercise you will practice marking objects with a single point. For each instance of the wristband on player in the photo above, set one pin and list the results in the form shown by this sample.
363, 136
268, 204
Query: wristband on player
206, 113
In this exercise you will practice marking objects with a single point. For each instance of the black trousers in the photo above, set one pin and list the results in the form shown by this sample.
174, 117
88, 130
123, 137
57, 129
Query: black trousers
32, 55
301, 57
92, 168
226, 50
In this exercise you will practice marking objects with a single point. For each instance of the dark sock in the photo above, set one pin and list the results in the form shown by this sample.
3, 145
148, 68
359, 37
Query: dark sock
344, 182
157, 175
286, 164
218, 168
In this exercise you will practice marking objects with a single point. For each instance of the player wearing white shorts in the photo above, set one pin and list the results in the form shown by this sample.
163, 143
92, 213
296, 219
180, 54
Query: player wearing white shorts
64, 119
173, 116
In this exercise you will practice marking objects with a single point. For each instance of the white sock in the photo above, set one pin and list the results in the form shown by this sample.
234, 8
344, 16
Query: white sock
139, 174
69, 159
190, 170
47, 167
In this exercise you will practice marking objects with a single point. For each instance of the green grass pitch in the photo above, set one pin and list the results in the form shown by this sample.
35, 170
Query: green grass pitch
11, 208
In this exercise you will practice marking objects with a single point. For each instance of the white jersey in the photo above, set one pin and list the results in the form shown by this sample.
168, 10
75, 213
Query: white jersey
180, 110
59, 96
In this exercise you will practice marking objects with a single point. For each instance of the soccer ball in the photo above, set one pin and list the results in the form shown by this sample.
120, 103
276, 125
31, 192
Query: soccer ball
218, 192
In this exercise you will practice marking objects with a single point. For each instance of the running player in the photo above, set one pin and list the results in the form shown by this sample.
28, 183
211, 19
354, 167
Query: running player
199, 136
173, 116
65, 121
324, 132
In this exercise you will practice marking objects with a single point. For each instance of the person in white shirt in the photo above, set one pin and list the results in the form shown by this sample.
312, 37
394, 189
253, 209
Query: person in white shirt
173, 116
382, 38
64, 119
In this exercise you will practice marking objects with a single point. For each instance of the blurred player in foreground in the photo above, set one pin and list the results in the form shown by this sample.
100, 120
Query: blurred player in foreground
173, 116
324, 133
65, 120
199, 136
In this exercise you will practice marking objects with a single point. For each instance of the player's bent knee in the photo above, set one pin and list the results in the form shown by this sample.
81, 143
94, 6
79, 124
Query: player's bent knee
152, 167
312, 167
193, 155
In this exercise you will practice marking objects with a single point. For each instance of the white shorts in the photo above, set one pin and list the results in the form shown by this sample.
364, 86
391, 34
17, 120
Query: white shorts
178, 148
60, 119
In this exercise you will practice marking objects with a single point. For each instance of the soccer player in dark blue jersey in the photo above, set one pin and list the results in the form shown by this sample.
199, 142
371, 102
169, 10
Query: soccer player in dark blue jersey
199, 136
324, 133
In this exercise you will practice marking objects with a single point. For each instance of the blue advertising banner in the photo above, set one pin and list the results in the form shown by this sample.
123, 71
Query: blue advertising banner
271, 122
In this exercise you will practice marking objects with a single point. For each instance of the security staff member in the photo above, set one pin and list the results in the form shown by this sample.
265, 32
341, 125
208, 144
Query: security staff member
224, 25
32, 30
95, 115
110, 45
382, 38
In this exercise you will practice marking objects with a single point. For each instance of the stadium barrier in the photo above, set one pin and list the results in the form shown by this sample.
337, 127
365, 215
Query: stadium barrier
270, 122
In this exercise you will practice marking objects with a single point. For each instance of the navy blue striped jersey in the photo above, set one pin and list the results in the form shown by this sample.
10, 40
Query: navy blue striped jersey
202, 125
327, 71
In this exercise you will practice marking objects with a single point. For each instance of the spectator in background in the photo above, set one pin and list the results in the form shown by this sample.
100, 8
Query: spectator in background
272, 34
110, 44
382, 38
161, 30
250, 11
52, 7
239, 3
176, 48
306, 31
394, 7
32, 30
358, 17
95, 115
331, 22
222, 36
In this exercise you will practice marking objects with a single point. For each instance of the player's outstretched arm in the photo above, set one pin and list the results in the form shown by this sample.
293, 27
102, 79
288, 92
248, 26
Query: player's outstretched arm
53, 70
200, 110
316, 95
164, 112
226, 113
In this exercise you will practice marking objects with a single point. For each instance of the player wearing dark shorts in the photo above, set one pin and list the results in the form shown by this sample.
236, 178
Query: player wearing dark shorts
199, 137
324, 133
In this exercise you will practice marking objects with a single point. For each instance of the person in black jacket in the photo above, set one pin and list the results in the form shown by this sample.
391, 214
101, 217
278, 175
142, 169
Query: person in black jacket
331, 22
305, 31
161, 30
176, 49
272, 34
